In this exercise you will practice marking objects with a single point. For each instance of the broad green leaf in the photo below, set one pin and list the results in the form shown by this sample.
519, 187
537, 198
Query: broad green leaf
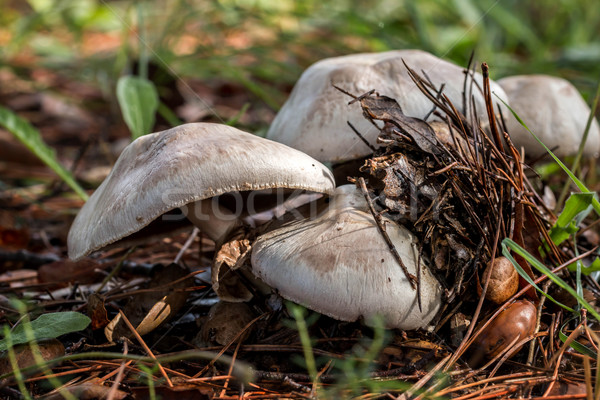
593, 267
48, 326
30, 137
509, 244
577, 207
138, 100
580, 185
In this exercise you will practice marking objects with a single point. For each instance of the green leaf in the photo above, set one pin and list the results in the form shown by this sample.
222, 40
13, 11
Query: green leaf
593, 267
577, 207
31, 138
575, 344
138, 100
48, 326
509, 244
506, 244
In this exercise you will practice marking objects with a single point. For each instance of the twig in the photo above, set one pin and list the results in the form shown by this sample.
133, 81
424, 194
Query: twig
224, 349
361, 137
467, 340
233, 358
115, 386
537, 323
27, 257
187, 244
408, 394
145, 346
380, 226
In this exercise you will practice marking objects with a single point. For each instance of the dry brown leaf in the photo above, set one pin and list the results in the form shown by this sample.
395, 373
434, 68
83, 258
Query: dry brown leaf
148, 310
49, 350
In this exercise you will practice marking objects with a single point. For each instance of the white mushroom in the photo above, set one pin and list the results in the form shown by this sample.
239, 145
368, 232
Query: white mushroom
314, 117
184, 166
339, 265
553, 109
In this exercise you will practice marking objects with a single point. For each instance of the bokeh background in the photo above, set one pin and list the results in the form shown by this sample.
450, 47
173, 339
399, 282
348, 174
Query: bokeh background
240, 58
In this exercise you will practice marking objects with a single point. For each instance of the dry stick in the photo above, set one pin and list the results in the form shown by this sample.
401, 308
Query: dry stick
87, 370
467, 74
224, 349
166, 286
524, 377
438, 96
113, 372
116, 269
457, 145
419, 82
558, 356
187, 244
113, 389
485, 70
361, 137
146, 348
512, 349
381, 227
233, 357
537, 323
597, 381
522, 292
421, 382
587, 331
587, 370
499, 393
471, 214
500, 356
463, 345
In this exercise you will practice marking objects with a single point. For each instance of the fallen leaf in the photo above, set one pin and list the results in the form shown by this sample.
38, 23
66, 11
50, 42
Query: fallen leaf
49, 350
150, 309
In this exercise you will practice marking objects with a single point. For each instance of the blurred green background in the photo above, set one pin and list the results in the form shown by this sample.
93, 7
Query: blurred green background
265, 44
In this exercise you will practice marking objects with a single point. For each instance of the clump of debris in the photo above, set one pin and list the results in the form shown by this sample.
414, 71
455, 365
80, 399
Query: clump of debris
461, 186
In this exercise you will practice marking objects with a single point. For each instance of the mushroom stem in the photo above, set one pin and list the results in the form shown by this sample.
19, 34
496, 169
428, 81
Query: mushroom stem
211, 218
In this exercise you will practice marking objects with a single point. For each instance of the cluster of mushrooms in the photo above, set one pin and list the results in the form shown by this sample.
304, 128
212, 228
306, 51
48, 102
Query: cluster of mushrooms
326, 252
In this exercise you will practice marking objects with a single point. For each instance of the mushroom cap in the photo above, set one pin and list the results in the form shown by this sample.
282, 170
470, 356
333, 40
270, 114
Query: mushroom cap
339, 265
554, 110
165, 170
313, 119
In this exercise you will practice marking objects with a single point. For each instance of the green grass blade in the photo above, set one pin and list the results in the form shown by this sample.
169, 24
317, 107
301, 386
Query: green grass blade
298, 314
14, 364
168, 115
579, 155
507, 243
576, 180
32, 139
588, 126
575, 344
234, 120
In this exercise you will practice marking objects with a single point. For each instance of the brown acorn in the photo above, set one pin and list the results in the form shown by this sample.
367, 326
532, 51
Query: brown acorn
504, 281
516, 322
